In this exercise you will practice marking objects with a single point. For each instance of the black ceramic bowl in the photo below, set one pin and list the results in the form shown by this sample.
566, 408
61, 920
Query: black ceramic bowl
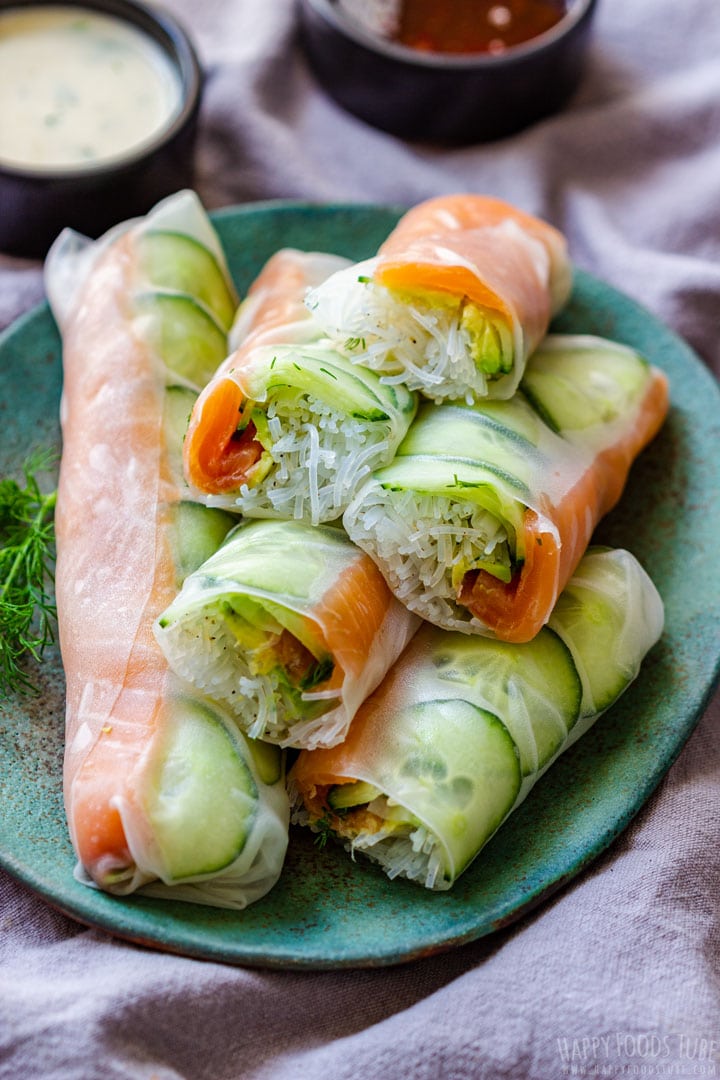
35, 204
443, 97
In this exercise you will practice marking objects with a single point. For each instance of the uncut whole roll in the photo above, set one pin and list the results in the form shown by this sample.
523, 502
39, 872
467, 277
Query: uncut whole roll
484, 513
162, 792
289, 426
463, 727
457, 299
288, 626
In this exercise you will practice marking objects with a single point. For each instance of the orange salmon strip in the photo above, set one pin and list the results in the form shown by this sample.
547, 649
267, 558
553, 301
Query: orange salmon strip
216, 457
114, 566
352, 614
517, 610
461, 244
342, 629
314, 771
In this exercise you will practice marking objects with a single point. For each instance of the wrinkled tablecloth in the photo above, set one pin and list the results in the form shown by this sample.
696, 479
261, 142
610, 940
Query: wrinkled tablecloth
617, 975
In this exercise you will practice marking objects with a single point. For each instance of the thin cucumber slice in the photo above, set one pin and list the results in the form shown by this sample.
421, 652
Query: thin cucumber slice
178, 405
458, 478
202, 800
579, 382
328, 376
592, 622
609, 615
197, 534
268, 760
187, 338
506, 433
458, 451
246, 584
343, 796
500, 437
535, 690
262, 551
457, 770
171, 260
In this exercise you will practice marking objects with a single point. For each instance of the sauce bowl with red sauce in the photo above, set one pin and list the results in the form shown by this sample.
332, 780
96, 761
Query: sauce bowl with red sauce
456, 71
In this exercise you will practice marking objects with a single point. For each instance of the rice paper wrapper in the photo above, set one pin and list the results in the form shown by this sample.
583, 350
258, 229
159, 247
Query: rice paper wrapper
73, 257
288, 427
205, 814
447, 734
486, 509
276, 595
455, 302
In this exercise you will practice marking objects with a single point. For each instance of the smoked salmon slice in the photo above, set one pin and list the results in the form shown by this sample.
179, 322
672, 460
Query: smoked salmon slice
463, 727
456, 300
288, 427
290, 627
486, 510
162, 792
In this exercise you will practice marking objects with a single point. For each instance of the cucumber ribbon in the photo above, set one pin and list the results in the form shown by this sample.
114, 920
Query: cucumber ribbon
486, 509
163, 793
289, 627
288, 427
458, 297
463, 727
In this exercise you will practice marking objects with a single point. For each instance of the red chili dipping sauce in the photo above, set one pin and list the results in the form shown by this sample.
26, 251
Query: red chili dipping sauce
474, 26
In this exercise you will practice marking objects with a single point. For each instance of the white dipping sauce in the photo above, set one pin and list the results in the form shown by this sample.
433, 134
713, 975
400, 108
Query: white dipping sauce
79, 88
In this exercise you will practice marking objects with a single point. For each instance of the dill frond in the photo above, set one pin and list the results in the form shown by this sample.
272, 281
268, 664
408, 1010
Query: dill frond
27, 559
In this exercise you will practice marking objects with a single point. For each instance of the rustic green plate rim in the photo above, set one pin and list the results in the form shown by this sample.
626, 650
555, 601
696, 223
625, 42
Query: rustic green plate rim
328, 911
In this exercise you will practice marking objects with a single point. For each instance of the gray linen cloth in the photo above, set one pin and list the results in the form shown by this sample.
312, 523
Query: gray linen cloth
619, 974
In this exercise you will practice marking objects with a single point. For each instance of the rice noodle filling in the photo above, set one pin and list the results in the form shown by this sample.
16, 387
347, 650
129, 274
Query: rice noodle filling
426, 347
417, 856
402, 849
411, 852
319, 458
214, 661
417, 540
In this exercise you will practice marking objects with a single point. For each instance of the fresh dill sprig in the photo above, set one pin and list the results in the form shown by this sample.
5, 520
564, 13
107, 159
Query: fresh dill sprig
354, 343
323, 826
27, 558
324, 829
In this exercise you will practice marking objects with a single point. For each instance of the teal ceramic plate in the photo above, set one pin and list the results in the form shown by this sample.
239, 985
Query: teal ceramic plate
328, 911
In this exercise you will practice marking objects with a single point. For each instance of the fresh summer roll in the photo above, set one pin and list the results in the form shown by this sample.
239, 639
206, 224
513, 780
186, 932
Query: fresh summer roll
162, 792
463, 727
289, 426
486, 510
185, 808
458, 297
289, 626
